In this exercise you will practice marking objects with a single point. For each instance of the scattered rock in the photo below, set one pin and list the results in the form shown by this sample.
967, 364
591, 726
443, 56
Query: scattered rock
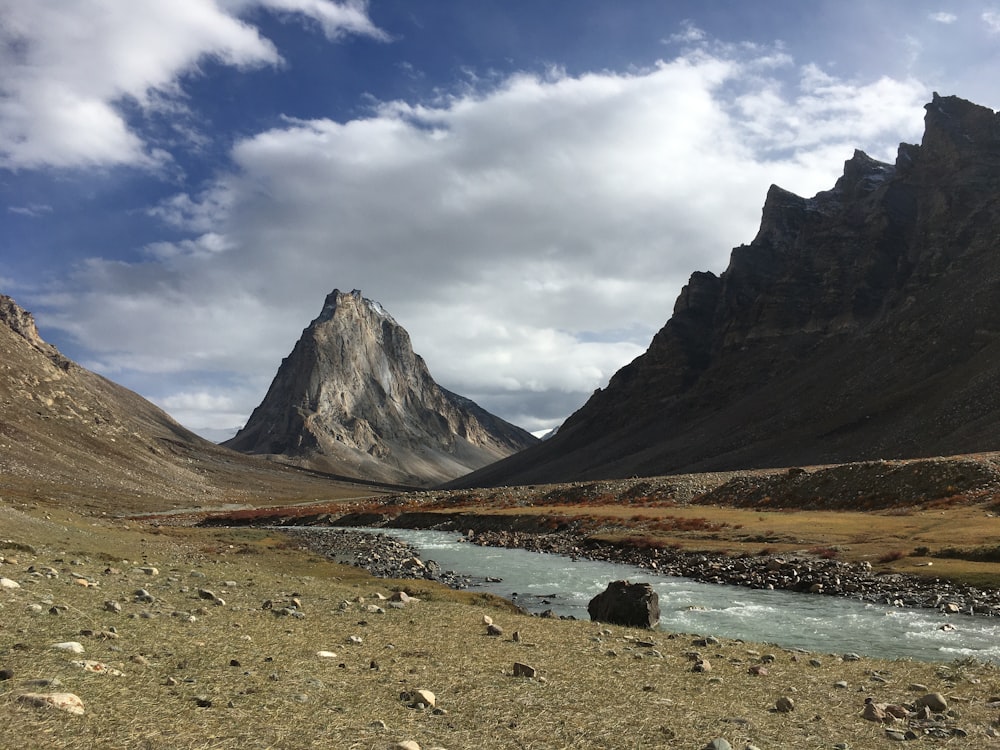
718, 744
67, 702
74, 647
89, 665
406, 745
421, 698
9, 584
874, 711
933, 701
326, 655
494, 630
523, 670
784, 704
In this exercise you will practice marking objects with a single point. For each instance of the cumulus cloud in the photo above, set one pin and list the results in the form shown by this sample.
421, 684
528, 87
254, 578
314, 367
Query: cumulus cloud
531, 235
943, 17
67, 68
992, 20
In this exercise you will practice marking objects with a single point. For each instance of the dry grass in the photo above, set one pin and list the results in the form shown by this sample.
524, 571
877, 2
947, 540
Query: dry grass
600, 688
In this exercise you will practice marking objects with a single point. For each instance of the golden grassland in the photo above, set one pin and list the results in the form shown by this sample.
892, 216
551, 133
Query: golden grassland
240, 676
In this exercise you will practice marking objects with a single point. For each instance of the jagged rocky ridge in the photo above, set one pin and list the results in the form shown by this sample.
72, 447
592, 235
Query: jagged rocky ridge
861, 323
354, 398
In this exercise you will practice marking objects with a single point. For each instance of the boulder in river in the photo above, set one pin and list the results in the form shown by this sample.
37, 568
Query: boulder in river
622, 603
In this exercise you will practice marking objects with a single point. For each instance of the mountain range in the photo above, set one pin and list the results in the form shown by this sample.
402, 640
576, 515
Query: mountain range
861, 323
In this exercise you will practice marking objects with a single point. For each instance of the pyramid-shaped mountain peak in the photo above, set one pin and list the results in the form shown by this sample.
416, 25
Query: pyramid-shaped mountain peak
353, 398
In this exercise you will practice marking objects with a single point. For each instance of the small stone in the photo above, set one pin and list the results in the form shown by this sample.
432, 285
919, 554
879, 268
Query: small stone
718, 744
6, 674
487, 620
702, 665
874, 712
139, 659
149, 570
9, 584
203, 702
758, 669
516, 636
400, 596
841, 685
524, 670
74, 647
784, 704
67, 702
851, 657
815, 663
326, 655
406, 745
112, 606
494, 630
355, 640
934, 701
426, 697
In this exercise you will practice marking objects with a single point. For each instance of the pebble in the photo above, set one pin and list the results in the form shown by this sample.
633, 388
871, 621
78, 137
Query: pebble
784, 704
9, 584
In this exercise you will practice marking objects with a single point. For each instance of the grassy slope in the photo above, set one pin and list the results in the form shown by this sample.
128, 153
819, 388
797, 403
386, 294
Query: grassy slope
282, 695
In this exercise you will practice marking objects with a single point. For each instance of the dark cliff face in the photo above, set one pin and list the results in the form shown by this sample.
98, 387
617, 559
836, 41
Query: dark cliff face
354, 398
863, 322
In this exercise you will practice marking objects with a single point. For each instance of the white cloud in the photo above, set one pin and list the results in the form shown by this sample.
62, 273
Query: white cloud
32, 209
992, 20
68, 66
530, 237
943, 17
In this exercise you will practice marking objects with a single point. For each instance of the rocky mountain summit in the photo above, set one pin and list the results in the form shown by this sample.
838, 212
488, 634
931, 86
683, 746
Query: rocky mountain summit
861, 323
354, 398
69, 436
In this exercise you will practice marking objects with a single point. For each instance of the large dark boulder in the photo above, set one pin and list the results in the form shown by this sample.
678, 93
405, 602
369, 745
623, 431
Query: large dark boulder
622, 603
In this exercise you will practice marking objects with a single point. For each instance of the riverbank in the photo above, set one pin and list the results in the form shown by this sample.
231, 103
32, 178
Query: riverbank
384, 556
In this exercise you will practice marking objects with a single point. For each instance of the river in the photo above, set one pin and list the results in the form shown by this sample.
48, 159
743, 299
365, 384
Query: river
822, 624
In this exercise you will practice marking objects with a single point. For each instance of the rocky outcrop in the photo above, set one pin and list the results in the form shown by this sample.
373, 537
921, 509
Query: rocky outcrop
353, 398
861, 323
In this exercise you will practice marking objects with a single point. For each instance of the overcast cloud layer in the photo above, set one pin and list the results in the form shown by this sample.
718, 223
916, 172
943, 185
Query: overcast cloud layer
530, 229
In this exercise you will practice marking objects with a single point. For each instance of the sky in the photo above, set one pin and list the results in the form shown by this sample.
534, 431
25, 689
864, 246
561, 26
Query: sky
525, 185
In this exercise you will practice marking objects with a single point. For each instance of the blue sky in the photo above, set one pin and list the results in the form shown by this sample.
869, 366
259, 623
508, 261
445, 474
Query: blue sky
524, 185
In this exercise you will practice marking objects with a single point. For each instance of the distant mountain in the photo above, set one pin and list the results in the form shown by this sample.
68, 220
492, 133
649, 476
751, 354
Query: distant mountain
69, 436
861, 323
354, 398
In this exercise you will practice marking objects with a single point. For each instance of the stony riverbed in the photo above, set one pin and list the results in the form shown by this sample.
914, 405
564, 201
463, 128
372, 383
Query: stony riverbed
385, 556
